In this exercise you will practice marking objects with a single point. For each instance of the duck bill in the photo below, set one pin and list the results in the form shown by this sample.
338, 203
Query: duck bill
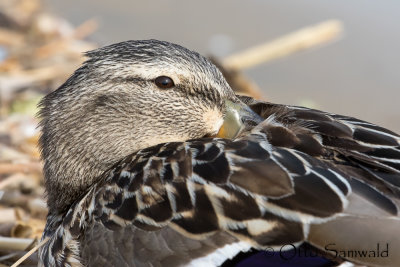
237, 117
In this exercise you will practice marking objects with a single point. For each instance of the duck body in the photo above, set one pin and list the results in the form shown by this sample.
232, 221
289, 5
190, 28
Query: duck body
291, 175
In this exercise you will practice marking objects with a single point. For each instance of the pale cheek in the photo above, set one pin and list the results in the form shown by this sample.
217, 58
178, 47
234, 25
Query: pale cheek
213, 120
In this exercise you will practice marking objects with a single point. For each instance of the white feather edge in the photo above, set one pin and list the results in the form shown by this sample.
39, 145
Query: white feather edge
220, 255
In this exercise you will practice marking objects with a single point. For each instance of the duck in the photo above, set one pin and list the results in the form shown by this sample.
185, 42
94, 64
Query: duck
151, 159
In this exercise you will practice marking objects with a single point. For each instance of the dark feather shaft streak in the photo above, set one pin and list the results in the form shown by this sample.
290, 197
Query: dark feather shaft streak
301, 175
239, 186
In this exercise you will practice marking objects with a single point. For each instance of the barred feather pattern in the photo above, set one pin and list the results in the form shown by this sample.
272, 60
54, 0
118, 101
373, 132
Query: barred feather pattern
296, 169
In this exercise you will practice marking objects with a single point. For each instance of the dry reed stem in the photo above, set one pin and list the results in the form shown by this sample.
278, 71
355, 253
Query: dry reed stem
30, 252
288, 44
8, 37
32, 167
11, 243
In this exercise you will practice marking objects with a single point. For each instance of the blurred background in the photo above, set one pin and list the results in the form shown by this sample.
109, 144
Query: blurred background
352, 69
357, 75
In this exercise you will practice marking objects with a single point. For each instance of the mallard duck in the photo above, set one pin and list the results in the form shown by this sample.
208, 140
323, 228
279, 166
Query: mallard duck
150, 159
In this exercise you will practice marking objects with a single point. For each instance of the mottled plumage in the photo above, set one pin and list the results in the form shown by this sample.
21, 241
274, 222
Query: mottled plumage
299, 175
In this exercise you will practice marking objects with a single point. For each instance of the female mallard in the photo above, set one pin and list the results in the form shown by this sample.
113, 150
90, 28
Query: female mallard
136, 176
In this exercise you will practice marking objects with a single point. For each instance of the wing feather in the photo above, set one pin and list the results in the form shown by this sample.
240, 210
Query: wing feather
298, 168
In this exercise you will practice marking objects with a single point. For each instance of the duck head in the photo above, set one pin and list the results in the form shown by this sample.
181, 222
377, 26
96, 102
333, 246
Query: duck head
126, 97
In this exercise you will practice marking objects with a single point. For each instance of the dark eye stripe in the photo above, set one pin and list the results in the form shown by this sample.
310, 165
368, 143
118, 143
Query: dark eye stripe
164, 82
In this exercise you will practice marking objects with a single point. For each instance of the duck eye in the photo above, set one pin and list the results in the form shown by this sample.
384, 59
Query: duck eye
164, 82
